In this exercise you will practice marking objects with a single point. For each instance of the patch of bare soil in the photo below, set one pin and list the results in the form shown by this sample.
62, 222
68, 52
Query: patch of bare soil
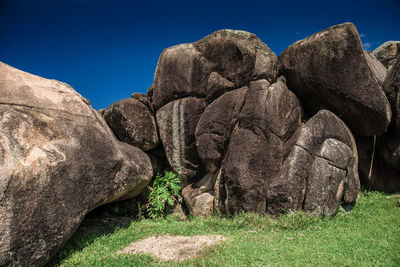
177, 248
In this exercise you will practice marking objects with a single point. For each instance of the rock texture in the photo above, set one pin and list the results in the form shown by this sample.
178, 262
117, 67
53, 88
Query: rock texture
58, 160
329, 70
387, 52
220, 62
376, 67
320, 170
133, 122
145, 99
261, 158
177, 123
216, 125
256, 148
199, 197
380, 163
392, 90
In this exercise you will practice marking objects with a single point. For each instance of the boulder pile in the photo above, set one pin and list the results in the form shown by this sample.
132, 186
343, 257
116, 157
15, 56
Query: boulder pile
244, 130
247, 131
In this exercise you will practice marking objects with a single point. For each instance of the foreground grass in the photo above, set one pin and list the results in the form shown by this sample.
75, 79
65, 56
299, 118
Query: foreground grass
369, 235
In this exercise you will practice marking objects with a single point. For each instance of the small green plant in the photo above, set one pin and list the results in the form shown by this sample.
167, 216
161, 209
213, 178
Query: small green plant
164, 193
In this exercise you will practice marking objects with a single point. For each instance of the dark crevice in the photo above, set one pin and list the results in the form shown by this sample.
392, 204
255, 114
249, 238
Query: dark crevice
6, 188
330, 162
274, 133
304, 149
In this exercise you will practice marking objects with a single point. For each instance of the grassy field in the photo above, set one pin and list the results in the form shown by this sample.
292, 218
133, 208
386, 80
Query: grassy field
369, 235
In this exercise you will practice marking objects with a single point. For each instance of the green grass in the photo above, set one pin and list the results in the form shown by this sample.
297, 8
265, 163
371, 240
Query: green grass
369, 235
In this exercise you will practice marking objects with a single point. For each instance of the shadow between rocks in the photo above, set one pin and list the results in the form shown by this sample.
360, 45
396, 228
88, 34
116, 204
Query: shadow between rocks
101, 221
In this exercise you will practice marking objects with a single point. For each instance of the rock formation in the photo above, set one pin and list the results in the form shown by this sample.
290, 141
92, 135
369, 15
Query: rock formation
190, 76
240, 136
58, 161
387, 53
234, 132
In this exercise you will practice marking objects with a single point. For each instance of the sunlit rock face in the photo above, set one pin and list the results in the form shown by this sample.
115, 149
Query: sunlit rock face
329, 70
238, 137
58, 161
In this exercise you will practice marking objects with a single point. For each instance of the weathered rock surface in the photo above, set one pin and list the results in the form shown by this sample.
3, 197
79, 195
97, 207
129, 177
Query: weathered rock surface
145, 99
133, 123
220, 62
390, 151
256, 148
384, 174
177, 124
320, 169
392, 90
58, 160
387, 52
216, 125
329, 70
239, 56
262, 159
381, 175
199, 197
376, 67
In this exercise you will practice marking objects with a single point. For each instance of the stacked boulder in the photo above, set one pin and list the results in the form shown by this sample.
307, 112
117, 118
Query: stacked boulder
331, 70
238, 136
247, 131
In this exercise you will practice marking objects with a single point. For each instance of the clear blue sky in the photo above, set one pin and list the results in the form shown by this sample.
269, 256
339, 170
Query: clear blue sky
107, 50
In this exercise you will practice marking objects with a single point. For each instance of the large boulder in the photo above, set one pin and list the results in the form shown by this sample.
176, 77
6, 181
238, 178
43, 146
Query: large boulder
177, 123
220, 62
58, 161
320, 170
387, 52
133, 122
329, 70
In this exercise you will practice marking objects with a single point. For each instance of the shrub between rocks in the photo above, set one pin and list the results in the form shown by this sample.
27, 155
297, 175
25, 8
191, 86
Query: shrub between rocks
164, 193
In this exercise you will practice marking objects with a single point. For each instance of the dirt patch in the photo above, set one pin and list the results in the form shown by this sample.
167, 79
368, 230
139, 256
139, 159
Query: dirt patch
177, 248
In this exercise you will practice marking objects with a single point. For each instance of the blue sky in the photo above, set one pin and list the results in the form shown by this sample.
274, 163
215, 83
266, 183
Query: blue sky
107, 50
